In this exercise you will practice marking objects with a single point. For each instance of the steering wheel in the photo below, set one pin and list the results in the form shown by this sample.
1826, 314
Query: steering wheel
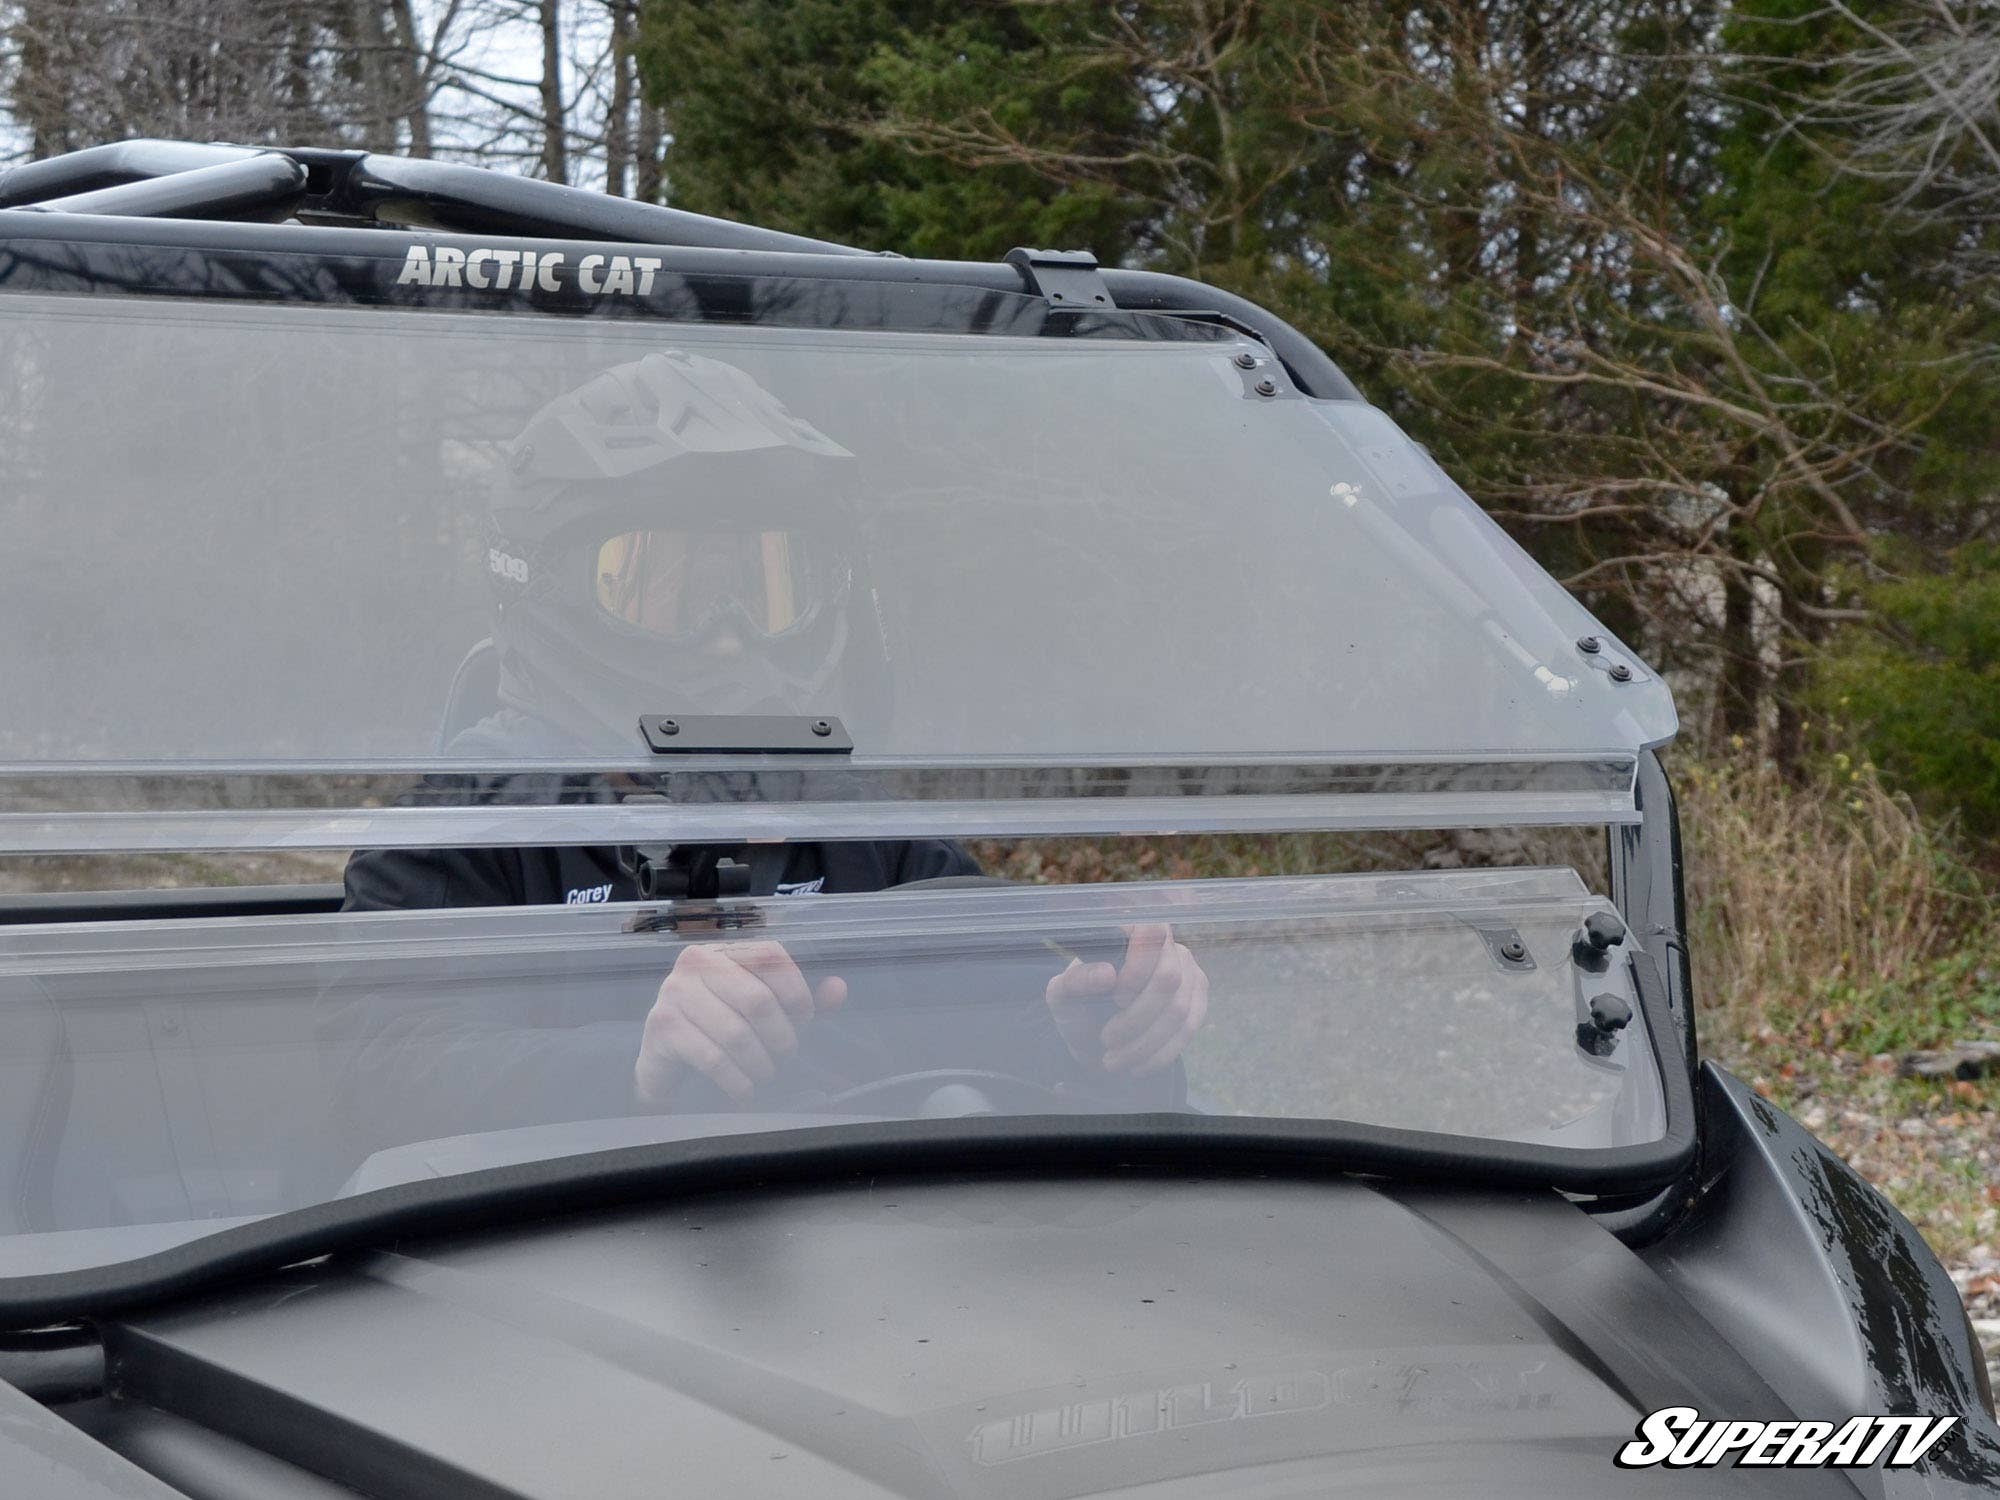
944, 1092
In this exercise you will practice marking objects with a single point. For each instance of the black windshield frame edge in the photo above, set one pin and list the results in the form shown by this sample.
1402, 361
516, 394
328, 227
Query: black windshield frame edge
1648, 885
1151, 293
820, 1155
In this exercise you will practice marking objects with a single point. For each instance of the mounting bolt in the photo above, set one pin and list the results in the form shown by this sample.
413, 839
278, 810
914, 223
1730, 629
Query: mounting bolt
1620, 672
1514, 951
670, 726
1590, 645
1610, 1012
822, 726
1267, 387
1246, 361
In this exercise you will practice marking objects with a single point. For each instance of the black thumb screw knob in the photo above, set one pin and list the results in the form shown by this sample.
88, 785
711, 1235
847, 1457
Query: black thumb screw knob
1610, 1012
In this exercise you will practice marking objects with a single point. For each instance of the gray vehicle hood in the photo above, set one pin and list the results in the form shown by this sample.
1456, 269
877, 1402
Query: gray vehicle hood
1136, 1335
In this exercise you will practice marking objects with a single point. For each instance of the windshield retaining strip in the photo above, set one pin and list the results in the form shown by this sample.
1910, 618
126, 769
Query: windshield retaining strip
585, 824
155, 942
54, 810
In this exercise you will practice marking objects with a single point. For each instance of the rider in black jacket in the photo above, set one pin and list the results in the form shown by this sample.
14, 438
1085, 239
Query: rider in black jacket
620, 589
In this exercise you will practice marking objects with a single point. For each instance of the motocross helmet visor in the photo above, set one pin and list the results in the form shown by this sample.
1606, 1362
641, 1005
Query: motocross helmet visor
683, 585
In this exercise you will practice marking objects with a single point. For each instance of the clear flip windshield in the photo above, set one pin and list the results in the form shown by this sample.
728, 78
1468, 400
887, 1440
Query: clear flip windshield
264, 565
617, 597
162, 1080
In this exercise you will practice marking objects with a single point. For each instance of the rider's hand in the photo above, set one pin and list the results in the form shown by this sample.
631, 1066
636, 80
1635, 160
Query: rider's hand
1159, 997
730, 1011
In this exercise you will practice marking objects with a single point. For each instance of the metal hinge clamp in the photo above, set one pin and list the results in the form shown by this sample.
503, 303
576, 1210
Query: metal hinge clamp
1065, 278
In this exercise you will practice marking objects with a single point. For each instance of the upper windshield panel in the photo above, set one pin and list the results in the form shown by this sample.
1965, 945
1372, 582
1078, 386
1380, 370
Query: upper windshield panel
159, 1081
256, 539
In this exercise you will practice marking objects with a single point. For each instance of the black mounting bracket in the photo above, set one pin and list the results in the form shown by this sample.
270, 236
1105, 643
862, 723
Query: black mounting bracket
698, 917
1066, 278
744, 734
682, 872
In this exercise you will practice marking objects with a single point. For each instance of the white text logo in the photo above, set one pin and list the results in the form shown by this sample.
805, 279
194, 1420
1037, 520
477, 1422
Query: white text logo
526, 270
1680, 1438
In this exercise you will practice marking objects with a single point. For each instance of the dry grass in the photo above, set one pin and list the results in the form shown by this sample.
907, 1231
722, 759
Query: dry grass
1228, 856
137, 872
1833, 929
1831, 890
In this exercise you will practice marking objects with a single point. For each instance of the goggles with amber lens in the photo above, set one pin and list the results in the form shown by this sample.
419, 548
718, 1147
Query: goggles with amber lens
682, 585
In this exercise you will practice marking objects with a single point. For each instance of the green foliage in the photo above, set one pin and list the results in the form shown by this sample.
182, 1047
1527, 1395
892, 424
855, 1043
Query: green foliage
1854, 283
772, 105
1921, 691
1935, 1003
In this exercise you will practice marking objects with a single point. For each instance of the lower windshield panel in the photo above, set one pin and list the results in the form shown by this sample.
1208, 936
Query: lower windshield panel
161, 1080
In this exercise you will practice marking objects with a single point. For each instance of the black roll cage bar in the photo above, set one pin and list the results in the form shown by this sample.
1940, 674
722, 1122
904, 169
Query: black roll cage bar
150, 179
184, 180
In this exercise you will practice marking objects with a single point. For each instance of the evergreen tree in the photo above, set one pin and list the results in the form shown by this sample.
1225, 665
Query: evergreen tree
775, 108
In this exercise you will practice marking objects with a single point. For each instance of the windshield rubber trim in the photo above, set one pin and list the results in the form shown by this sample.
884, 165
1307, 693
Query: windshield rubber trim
1648, 886
1054, 1144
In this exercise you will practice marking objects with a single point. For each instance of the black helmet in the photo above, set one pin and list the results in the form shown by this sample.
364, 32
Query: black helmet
672, 540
